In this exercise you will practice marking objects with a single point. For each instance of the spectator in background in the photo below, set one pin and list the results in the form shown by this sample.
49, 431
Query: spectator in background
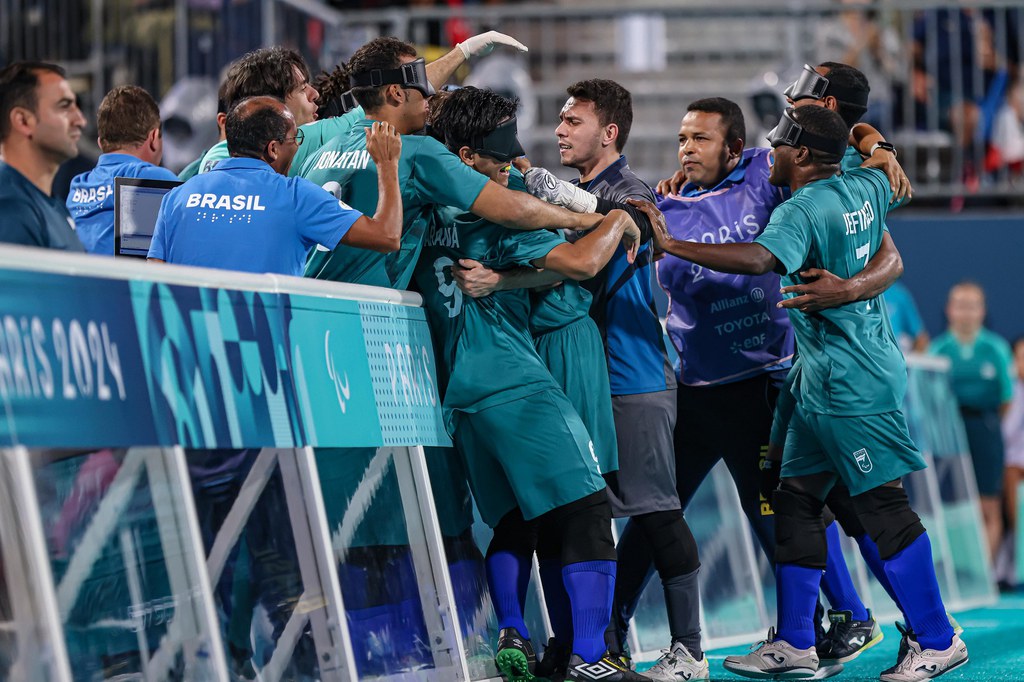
1013, 436
40, 125
943, 80
980, 376
905, 319
857, 38
132, 145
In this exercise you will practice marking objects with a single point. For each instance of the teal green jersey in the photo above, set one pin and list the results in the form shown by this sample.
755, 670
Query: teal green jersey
191, 170
213, 156
315, 135
555, 308
851, 364
429, 176
319, 133
980, 372
484, 346
851, 159
558, 307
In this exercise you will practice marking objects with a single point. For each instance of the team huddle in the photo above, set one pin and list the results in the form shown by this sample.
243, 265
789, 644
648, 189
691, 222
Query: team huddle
563, 407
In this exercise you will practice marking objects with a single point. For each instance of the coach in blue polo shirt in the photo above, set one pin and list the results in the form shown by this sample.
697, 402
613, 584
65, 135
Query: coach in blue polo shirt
247, 215
129, 136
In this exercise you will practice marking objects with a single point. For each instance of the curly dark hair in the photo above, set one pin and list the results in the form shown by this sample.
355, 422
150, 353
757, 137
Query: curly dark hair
460, 116
331, 86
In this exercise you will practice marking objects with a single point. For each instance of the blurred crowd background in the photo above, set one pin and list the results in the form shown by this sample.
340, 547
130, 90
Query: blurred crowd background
946, 80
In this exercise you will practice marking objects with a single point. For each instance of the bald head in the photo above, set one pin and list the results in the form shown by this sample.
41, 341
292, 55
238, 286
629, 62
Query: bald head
262, 128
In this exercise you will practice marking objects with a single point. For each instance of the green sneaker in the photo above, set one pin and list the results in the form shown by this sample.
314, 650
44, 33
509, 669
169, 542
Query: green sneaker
515, 658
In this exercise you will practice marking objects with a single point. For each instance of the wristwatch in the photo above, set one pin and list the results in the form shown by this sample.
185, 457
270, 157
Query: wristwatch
887, 146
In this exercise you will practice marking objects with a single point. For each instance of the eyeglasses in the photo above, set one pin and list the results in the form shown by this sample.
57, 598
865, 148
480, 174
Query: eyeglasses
298, 137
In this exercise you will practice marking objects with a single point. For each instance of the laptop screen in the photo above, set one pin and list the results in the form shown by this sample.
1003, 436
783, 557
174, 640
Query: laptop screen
136, 205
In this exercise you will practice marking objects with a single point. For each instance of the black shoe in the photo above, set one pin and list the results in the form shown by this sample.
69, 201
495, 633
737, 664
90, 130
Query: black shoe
609, 668
555, 661
848, 638
515, 657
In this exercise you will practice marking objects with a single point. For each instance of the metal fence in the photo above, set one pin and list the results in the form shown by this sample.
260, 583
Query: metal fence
946, 81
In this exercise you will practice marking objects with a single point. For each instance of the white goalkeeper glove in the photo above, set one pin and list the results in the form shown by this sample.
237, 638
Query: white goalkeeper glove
482, 44
543, 184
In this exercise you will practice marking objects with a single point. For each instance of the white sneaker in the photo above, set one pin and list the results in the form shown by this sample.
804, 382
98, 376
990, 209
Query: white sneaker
918, 664
775, 659
678, 665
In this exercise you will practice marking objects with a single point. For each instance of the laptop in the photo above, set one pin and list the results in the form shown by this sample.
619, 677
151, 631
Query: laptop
136, 205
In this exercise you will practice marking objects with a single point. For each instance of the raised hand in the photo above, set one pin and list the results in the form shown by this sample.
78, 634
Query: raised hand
383, 143
484, 43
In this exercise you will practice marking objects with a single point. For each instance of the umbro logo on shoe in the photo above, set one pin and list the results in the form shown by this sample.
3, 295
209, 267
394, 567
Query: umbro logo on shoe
596, 671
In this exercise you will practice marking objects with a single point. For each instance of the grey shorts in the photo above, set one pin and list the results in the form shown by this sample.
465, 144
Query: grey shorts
646, 479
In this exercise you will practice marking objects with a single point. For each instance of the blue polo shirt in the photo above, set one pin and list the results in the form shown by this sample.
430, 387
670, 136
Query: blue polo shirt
91, 199
243, 215
32, 218
623, 300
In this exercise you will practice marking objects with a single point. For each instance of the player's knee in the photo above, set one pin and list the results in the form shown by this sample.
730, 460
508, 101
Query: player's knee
586, 529
886, 515
549, 541
514, 534
799, 528
840, 503
462, 547
671, 542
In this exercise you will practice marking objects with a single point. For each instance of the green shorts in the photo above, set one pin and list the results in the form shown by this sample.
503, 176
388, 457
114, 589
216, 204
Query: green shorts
865, 451
533, 453
575, 357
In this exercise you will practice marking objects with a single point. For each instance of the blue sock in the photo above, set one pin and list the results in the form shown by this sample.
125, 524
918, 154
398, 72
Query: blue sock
369, 630
912, 574
468, 584
837, 583
590, 586
796, 594
409, 630
508, 576
869, 550
557, 599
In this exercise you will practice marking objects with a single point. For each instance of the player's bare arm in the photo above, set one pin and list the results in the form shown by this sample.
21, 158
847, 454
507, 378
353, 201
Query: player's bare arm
744, 259
823, 289
585, 258
440, 70
866, 140
520, 211
581, 260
